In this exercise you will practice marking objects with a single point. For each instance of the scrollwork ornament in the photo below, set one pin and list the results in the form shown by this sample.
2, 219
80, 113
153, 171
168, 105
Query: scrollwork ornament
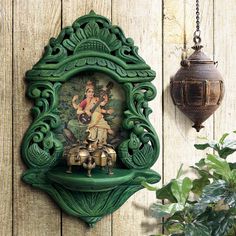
40, 148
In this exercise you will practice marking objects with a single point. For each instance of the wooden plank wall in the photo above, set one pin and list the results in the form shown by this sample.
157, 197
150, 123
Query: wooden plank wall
159, 28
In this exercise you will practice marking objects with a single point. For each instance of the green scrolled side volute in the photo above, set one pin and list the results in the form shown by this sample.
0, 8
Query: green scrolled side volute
40, 148
92, 43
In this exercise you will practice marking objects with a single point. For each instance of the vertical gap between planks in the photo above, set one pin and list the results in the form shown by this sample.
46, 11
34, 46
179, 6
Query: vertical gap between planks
61, 14
12, 120
163, 105
213, 37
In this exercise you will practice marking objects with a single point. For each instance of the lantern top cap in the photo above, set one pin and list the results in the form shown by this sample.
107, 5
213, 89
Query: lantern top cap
199, 57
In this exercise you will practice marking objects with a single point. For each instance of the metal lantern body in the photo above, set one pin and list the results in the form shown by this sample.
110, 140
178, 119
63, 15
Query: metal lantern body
197, 88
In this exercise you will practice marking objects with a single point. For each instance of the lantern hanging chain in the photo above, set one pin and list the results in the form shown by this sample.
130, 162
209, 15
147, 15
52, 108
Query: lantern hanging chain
196, 37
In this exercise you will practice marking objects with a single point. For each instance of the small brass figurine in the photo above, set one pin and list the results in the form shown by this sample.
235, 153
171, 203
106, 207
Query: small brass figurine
89, 165
89, 155
76, 156
109, 164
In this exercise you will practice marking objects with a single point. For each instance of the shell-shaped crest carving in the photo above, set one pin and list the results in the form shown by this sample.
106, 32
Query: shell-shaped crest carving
92, 37
91, 32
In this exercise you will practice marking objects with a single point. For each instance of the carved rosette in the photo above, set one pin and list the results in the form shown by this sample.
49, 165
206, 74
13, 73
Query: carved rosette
92, 43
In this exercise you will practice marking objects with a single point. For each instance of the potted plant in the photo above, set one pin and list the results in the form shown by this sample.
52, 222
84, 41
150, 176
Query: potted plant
206, 205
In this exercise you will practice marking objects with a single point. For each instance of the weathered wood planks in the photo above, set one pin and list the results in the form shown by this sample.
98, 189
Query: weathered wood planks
34, 23
142, 21
6, 117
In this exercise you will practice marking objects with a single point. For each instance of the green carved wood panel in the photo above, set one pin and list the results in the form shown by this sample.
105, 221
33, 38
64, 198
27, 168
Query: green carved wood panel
92, 44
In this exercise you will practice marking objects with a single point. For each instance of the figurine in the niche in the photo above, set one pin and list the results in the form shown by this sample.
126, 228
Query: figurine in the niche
91, 111
109, 164
89, 158
76, 155
89, 165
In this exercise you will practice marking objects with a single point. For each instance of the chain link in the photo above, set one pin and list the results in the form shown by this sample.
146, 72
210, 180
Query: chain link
197, 16
197, 33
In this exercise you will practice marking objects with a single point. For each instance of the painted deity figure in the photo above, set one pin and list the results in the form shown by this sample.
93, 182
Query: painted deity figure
93, 106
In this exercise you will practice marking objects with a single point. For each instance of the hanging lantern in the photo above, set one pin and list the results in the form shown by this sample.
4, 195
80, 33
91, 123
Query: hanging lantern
197, 88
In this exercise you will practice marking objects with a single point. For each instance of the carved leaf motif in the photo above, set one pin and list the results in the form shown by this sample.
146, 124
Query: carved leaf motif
89, 206
80, 34
104, 33
74, 38
69, 44
38, 157
143, 156
110, 39
91, 29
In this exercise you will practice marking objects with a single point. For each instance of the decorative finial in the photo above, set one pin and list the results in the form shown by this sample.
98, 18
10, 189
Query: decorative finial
92, 12
198, 127
197, 47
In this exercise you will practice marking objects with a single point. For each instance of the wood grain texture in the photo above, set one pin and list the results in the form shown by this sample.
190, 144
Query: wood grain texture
72, 9
34, 23
225, 47
6, 117
142, 21
179, 136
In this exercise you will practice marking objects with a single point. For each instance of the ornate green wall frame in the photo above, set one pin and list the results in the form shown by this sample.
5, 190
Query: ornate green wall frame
91, 44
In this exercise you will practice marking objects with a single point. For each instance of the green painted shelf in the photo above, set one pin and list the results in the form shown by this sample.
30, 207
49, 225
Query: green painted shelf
100, 180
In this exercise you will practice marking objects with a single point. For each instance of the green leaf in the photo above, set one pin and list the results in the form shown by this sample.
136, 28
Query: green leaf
219, 166
219, 190
232, 165
228, 143
203, 172
197, 209
224, 153
221, 222
173, 226
223, 138
180, 171
159, 210
181, 188
166, 193
201, 163
214, 192
199, 184
203, 146
147, 186
196, 229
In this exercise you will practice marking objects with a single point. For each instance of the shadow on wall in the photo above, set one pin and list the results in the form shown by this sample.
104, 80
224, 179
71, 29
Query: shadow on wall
146, 226
181, 123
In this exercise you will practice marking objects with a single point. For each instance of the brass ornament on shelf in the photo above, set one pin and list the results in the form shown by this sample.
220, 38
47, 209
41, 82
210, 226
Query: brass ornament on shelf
197, 88
89, 156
